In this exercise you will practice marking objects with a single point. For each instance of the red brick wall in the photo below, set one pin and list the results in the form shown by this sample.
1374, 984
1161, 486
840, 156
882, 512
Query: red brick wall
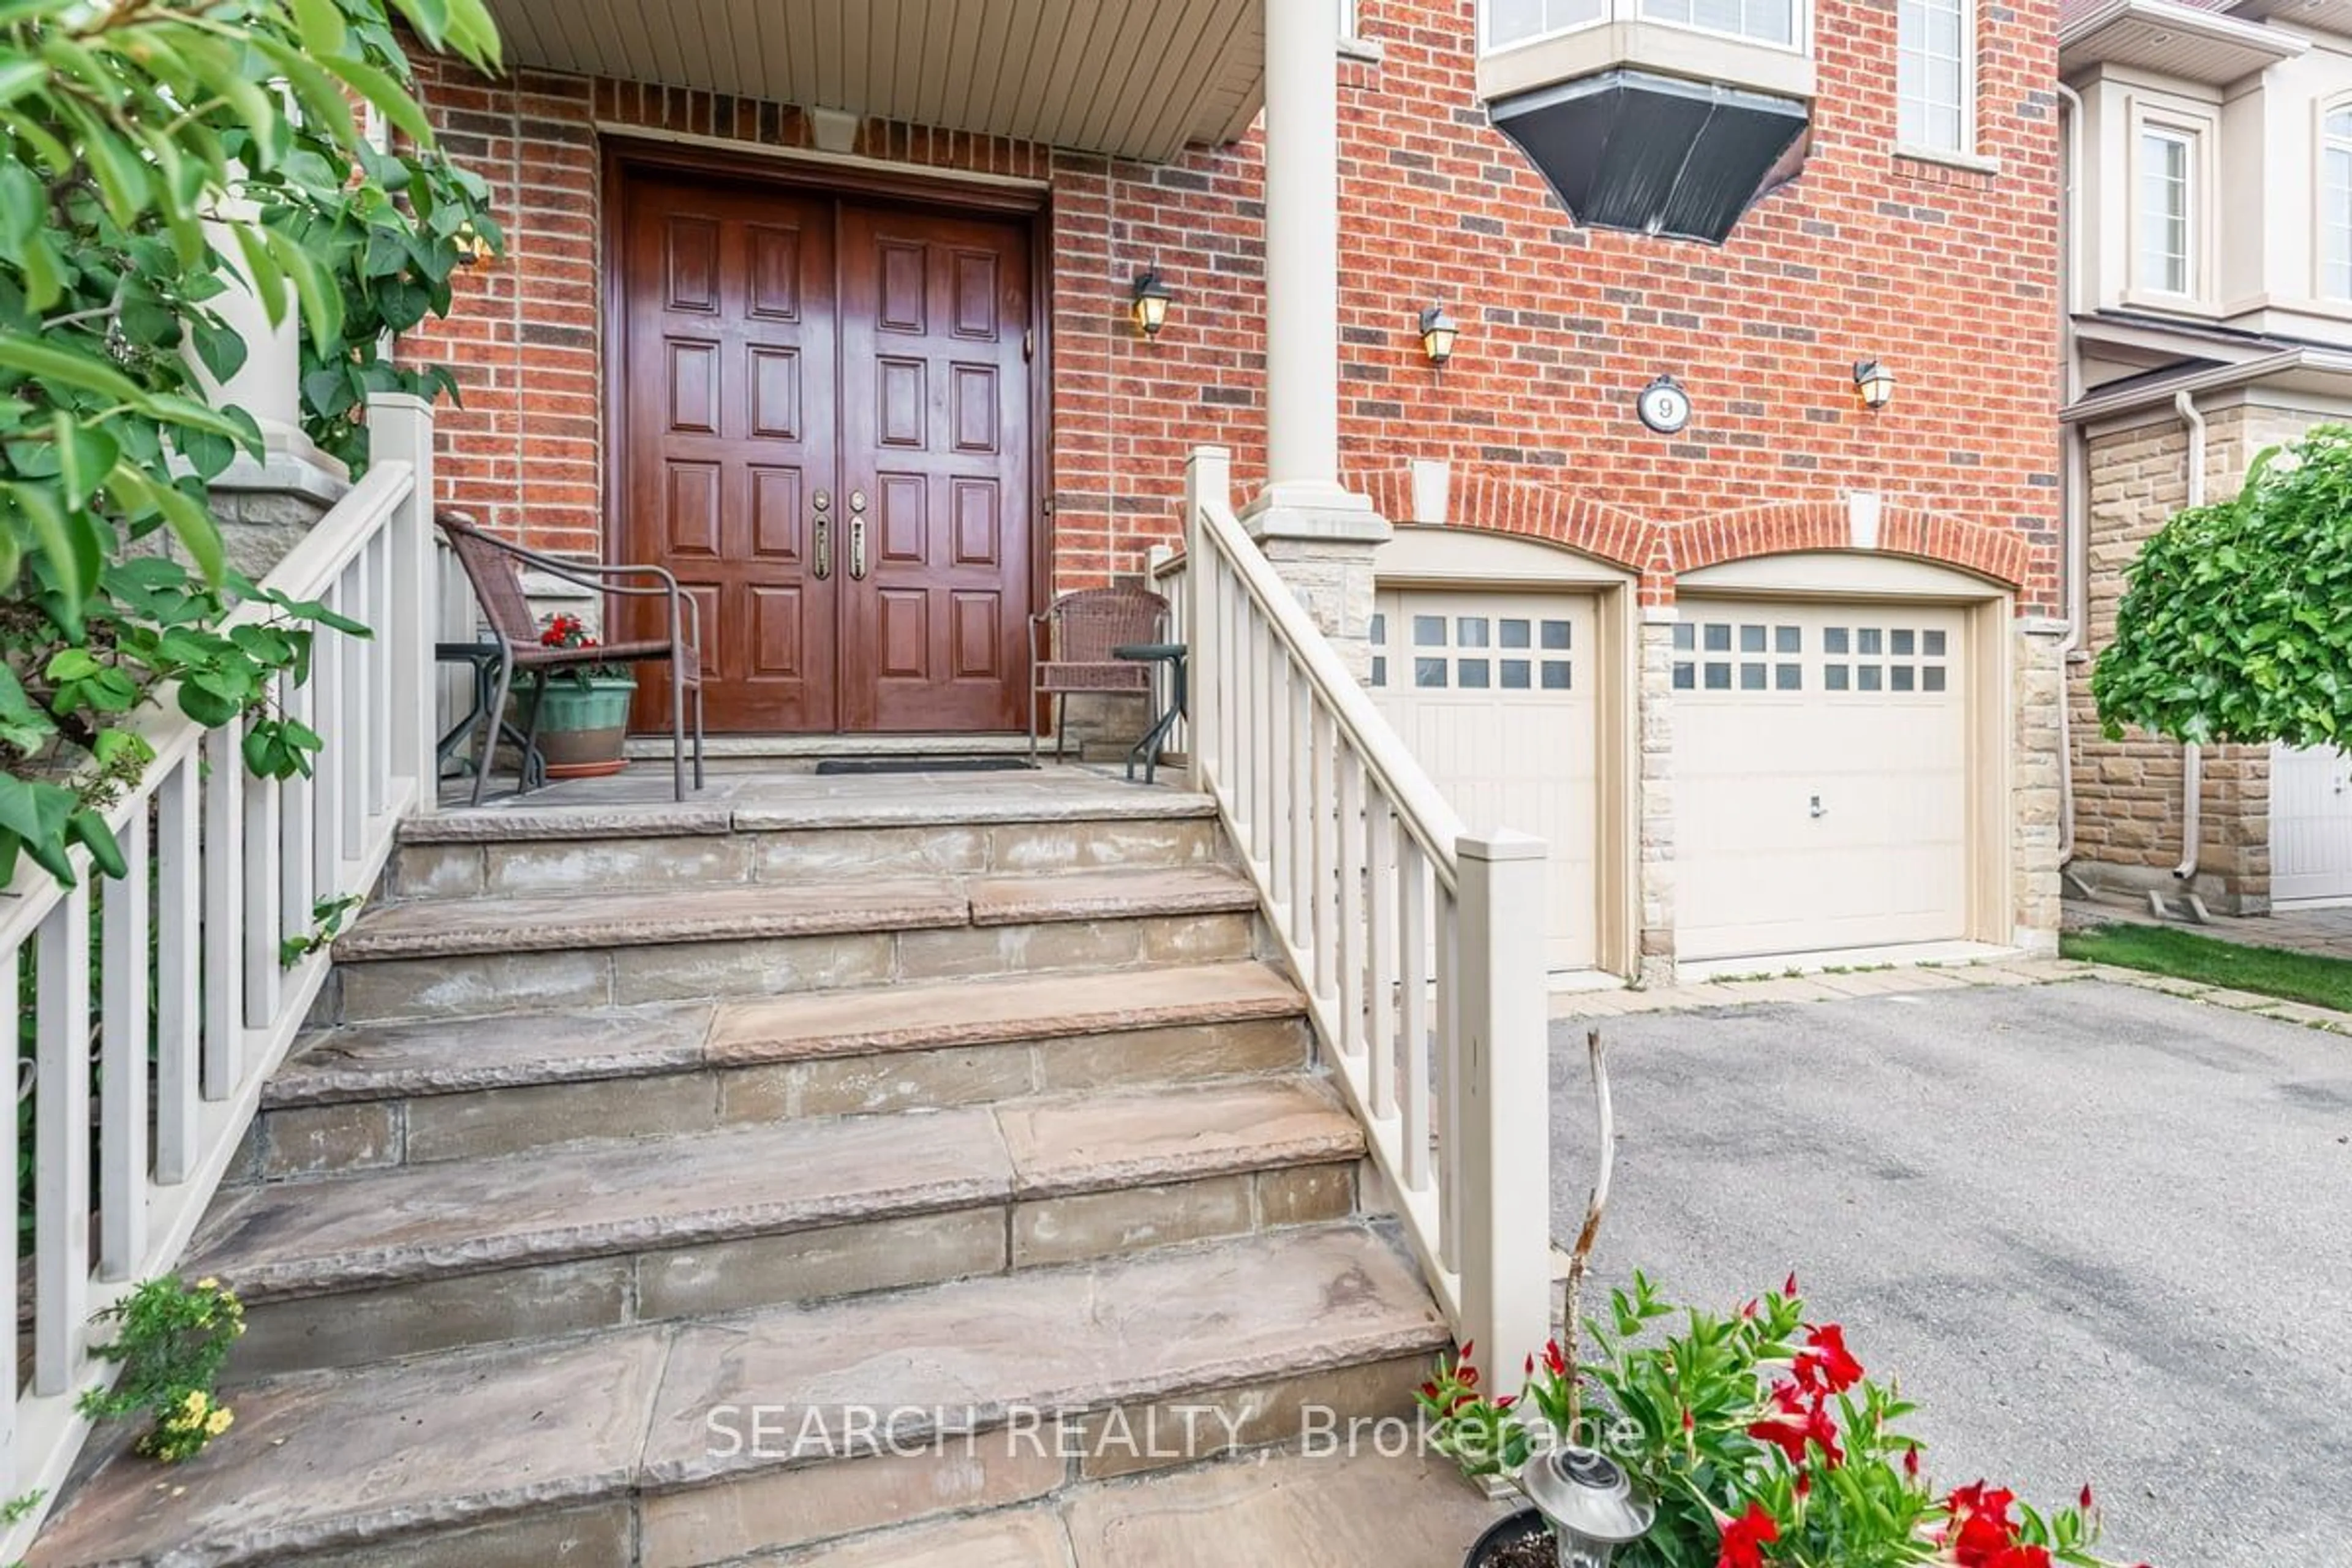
1948, 274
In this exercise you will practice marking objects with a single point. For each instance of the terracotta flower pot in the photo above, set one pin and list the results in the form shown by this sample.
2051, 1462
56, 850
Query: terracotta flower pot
1509, 1530
582, 724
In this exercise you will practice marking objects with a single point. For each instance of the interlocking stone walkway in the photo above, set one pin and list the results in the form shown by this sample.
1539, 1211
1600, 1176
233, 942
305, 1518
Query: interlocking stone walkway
2326, 934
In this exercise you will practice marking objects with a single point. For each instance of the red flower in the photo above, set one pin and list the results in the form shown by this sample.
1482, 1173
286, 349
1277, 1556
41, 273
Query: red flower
1790, 1290
1826, 1359
2088, 1504
1911, 1463
1744, 1538
1982, 1534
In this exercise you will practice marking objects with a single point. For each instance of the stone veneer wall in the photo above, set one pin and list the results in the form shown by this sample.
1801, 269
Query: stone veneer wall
2127, 819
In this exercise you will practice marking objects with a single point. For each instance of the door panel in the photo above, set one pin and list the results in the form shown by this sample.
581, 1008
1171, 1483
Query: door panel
824, 429
1498, 695
934, 441
2311, 824
729, 343
1821, 776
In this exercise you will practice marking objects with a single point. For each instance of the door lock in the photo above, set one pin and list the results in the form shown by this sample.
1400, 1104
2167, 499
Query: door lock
823, 551
857, 535
1817, 809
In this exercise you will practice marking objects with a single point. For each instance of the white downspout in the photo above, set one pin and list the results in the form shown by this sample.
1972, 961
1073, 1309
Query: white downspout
2073, 504
2192, 758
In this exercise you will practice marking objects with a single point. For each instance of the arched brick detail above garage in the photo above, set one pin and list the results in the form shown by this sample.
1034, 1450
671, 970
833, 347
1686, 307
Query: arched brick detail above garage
1501, 502
2002, 554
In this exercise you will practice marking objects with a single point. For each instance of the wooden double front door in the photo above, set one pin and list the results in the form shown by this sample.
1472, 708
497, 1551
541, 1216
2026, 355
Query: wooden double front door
823, 430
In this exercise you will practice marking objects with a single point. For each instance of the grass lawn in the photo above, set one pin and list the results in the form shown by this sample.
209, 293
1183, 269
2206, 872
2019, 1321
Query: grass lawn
2164, 949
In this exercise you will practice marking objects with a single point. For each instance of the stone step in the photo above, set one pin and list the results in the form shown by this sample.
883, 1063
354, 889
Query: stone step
390, 1263
370, 1096
472, 957
673, 1445
974, 833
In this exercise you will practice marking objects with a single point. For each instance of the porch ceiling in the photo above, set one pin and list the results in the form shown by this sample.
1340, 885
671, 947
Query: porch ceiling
1137, 78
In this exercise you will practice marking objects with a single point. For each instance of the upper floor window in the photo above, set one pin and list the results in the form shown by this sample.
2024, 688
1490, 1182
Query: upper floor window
1935, 74
2167, 161
1778, 22
2335, 205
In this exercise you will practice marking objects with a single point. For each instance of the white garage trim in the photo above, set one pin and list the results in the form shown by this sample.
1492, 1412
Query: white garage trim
1455, 560
1821, 578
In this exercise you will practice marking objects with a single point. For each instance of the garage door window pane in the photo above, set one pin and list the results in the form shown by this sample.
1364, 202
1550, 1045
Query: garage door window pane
1429, 631
1751, 675
1833, 639
1686, 637
1900, 675
1867, 640
1380, 628
1517, 673
1788, 678
1515, 632
1470, 673
1932, 679
1751, 639
1903, 644
1718, 678
1866, 676
1555, 674
1718, 636
1427, 672
1379, 670
1932, 644
1555, 633
1686, 677
1470, 631
1833, 677
1788, 639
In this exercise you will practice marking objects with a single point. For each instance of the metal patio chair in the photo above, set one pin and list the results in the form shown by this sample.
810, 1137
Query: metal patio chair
1070, 648
494, 566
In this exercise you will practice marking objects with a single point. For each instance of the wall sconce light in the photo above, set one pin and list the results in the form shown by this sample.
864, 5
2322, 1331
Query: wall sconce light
1873, 383
1152, 298
1438, 331
473, 245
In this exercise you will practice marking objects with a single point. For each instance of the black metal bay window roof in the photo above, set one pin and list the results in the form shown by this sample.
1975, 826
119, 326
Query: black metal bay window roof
1656, 155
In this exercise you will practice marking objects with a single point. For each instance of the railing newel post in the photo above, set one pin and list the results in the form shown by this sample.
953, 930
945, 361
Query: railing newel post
400, 429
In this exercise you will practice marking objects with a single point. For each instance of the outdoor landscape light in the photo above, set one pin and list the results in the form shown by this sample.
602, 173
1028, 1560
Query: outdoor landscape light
1152, 297
1590, 1504
1438, 331
1873, 383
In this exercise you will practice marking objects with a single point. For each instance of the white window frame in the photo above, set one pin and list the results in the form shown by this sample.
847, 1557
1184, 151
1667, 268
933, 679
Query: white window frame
2190, 139
1971, 42
2331, 208
1801, 27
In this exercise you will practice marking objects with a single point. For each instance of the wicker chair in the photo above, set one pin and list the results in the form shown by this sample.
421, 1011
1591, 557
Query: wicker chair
1070, 644
494, 566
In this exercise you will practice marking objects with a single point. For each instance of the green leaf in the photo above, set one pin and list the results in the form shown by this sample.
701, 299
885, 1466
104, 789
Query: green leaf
96, 836
323, 32
86, 455
63, 545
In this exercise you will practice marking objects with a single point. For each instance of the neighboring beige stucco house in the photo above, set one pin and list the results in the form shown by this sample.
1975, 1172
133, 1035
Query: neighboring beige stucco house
2210, 308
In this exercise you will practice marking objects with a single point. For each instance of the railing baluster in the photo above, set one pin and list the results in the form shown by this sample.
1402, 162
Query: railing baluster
1303, 893
61, 1144
1323, 929
122, 1083
179, 960
1412, 973
305, 855
332, 781
378, 612
1352, 953
1381, 837
359, 756
224, 859
11, 1374
1450, 1056
265, 898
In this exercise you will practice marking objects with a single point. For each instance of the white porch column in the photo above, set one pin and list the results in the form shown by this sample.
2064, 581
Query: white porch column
1320, 536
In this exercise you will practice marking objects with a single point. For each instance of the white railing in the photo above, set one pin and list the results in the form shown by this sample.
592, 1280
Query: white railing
223, 867
1420, 946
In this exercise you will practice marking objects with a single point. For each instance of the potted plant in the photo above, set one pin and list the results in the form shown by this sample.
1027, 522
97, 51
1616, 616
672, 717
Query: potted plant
1749, 1440
583, 711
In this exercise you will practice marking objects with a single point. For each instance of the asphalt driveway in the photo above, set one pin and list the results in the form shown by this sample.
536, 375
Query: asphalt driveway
2100, 1233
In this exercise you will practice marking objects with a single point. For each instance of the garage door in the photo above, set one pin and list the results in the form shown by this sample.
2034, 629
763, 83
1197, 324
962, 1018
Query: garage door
1495, 693
2311, 824
1821, 776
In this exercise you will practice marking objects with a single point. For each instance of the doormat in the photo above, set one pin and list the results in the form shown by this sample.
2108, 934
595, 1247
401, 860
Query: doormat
924, 765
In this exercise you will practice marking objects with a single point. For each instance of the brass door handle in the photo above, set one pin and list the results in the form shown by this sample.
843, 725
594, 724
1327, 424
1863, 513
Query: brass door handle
823, 551
857, 535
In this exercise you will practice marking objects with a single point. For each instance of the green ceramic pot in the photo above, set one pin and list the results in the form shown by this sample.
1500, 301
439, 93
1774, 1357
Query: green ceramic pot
582, 723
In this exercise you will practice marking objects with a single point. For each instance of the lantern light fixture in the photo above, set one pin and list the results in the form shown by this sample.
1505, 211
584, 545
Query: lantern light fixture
1151, 301
1591, 1505
1873, 383
1438, 331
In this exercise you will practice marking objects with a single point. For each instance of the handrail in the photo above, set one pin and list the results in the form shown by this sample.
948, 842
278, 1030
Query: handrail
223, 870
1418, 945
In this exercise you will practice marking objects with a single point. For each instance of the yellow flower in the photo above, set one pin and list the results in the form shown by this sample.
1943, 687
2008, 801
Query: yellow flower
219, 1422
194, 1403
208, 1283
